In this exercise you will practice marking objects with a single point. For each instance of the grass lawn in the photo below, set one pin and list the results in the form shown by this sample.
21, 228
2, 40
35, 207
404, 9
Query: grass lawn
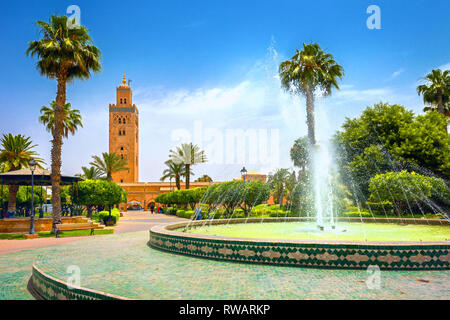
75, 233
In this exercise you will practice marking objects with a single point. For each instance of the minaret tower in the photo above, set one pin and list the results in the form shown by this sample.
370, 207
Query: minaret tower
124, 133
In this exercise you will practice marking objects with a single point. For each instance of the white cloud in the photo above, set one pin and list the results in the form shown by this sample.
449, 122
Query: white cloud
396, 74
445, 66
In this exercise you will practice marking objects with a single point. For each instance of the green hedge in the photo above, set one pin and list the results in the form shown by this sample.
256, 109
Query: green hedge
380, 207
281, 213
357, 214
103, 216
185, 213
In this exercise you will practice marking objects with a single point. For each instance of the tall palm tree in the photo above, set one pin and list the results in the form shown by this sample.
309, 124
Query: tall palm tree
279, 182
91, 173
71, 121
306, 71
189, 155
64, 54
108, 164
15, 154
436, 91
436, 88
174, 171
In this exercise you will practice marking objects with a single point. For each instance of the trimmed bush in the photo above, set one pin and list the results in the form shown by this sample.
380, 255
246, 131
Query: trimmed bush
380, 207
405, 187
185, 214
357, 214
103, 216
238, 213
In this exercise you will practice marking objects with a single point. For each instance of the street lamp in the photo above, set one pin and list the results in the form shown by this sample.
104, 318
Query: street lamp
243, 172
32, 164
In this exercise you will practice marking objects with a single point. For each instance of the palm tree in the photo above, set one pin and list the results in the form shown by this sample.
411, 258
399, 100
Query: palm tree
108, 164
71, 121
279, 182
300, 154
91, 173
15, 154
436, 88
64, 54
174, 171
188, 154
306, 71
436, 91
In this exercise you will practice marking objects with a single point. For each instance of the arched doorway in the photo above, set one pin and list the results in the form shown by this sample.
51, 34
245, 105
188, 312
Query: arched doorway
134, 205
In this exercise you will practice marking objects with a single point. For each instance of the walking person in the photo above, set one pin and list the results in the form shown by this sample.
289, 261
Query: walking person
152, 207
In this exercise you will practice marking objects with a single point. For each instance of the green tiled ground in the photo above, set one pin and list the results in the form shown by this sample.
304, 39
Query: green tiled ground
123, 264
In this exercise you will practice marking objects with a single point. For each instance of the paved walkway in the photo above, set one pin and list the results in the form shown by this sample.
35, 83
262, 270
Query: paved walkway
131, 221
123, 264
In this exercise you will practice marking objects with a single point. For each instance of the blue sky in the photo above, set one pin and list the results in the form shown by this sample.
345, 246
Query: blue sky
212, 64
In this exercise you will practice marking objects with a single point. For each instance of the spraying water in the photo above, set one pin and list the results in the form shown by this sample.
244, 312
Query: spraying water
323, 192
322, 162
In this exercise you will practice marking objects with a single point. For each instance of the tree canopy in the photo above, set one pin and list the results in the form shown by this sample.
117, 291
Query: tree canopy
391, 138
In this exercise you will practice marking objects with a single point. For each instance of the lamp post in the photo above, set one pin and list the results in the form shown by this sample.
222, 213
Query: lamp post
32, 165
243, 172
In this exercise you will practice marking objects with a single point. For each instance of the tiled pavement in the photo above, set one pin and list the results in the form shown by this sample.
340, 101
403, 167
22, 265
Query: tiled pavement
123, 264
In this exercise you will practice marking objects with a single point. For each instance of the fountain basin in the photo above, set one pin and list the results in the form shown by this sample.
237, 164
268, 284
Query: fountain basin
311, 253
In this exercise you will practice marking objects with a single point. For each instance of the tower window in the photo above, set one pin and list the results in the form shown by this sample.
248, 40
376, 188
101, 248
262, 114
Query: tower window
121, 180
121, 156
120, 120
125, 100
120, 100
124, 122
121, 148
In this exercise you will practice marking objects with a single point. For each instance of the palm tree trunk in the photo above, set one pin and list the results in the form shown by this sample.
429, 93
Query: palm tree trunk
188, 175
56, 149
12, 198
177, 182
310, 115
440, 102
441, 107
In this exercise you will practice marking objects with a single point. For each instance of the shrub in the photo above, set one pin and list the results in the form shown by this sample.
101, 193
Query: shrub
380, 207
357, 214
189, 214
217, 215
103, 216
185, 214
260, 209
400, 188
238, 213
281, 213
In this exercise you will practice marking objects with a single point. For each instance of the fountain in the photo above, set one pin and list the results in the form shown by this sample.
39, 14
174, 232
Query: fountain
323, 240
319, 239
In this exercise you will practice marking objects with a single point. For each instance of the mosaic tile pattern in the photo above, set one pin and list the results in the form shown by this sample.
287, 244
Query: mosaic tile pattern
51, 288
123, 264
311, 254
